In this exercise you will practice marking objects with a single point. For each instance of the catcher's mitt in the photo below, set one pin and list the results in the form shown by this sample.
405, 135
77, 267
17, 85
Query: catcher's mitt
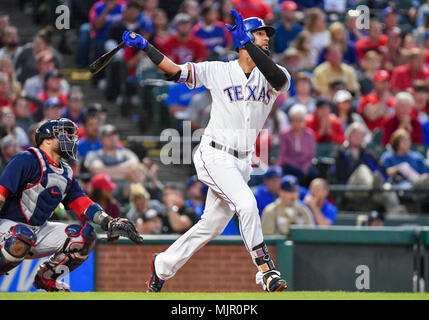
123, 227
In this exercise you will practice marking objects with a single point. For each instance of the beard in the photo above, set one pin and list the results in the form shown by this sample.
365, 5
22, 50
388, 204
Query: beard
12, 45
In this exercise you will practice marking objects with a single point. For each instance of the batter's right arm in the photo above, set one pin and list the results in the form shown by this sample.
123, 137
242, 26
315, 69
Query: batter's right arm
177, 73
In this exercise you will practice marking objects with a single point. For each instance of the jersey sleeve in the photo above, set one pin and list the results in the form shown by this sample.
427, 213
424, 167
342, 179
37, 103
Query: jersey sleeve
287, 85
22, 170
201, 72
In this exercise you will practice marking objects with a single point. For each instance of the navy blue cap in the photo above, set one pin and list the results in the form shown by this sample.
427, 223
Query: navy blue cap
273, 172
289, 183
191, 181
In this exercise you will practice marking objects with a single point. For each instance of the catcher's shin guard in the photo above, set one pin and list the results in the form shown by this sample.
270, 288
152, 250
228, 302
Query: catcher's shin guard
15, 246
268, 277
80, 242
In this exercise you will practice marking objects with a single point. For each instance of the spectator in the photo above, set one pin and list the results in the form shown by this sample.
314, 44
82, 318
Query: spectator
75, 110
287, 28
6, 66
303, 87
421, 98
26, 61
160, 24
307, 54
125, 62
11, 47
146, 19
276, 122
326, 126
316, 25
51, 89
254, 8
390, 19
180, 217
404, 76
286, 210
179, 98
372, 219
375, 41
298, 147
338, 35
403, 118
395, 53
324, 213
21, 108
102, 15
7, 118
369, 65
52, 109
149, 223
34, 86
102, 188
192, 9
110, 160
142, 206
405, 167
194, 194
212, 32
91, 139
334, 69
290, 59
268, 191
354, 33
4, 23
356, 166
344, 111
183, 46
6, 99
199, 109
9, 147
376, 106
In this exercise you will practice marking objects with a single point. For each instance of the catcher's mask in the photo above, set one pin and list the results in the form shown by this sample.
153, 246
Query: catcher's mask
65, 131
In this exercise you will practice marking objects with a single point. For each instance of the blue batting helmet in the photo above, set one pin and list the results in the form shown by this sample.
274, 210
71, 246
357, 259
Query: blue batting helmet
65, 131
254, 23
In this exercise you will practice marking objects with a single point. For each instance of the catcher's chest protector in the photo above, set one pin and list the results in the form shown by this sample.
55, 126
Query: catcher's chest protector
38, 201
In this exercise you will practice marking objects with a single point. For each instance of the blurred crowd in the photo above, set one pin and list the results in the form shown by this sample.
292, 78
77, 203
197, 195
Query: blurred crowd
356, 113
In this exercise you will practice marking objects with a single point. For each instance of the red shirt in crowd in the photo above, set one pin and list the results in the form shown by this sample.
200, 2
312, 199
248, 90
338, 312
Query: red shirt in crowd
403, 78
392, 124
372, 98
336, 134
192, 49
253, 8
365, 45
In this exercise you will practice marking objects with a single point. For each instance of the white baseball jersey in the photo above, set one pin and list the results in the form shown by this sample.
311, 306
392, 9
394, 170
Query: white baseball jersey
240, 105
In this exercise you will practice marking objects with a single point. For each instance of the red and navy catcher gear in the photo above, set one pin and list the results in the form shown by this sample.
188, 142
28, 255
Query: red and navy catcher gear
65, 131
15, 245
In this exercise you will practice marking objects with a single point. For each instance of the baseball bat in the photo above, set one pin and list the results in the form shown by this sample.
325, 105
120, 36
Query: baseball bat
101, 62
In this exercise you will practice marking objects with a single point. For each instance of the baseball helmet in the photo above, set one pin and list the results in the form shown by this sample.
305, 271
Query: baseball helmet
254, 23
65, 131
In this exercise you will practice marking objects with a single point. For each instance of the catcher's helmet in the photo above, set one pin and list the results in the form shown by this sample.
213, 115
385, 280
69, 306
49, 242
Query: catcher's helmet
65, 131
254, 23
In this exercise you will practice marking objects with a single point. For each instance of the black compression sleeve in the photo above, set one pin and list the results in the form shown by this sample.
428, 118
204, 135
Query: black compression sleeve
153, 53
274, 75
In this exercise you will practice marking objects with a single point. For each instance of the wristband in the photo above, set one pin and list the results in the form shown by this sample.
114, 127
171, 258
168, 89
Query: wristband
184, 73
105, 222
153, 53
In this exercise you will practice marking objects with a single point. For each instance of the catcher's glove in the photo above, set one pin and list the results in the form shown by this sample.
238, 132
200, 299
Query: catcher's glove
123, 227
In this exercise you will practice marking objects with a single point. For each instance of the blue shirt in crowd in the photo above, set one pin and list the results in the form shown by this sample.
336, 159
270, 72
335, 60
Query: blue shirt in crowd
263, 197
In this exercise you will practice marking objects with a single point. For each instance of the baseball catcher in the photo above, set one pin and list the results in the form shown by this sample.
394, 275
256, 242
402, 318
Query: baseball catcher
31, 186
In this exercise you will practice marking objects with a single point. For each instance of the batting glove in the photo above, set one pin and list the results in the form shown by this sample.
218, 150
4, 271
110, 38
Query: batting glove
238, 32
133, 39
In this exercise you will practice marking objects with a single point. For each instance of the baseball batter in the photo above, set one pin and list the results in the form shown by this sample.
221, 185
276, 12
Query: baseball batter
243, 92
